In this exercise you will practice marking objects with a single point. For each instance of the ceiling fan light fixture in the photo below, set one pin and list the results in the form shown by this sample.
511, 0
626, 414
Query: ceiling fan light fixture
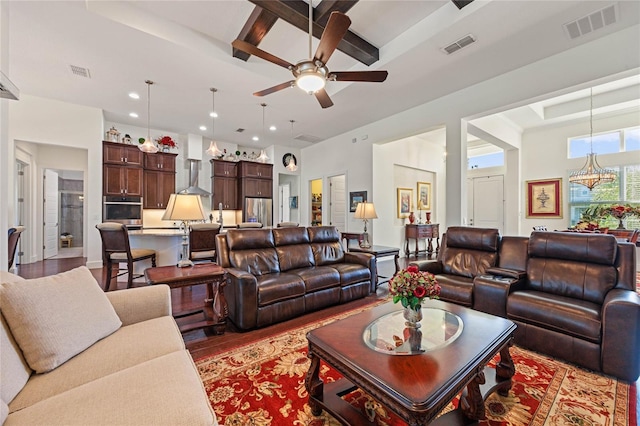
311, 82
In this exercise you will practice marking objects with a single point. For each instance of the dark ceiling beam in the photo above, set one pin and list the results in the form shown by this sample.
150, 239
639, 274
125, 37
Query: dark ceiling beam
296, 12
257, 26
461, 3
323, 10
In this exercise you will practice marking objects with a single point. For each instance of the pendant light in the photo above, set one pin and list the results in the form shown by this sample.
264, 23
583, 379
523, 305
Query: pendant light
148, 145
263, 155
292, 166
213, 147
591, 173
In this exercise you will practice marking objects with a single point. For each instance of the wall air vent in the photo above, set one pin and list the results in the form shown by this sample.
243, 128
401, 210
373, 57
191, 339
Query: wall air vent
239, 130
459, 44
308, 138
80, 71
8, 90
592, 22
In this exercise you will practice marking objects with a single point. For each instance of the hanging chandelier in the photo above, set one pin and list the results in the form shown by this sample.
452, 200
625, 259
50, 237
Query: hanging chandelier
148, 145
591, 173
213, 147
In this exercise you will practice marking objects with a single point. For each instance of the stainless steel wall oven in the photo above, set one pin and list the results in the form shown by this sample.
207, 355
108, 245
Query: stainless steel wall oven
125, 210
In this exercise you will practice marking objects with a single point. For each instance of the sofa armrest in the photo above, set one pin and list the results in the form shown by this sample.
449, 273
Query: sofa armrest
620, 349
432, 266
367, 260
142, 303
241, 293
506, 273
490, 293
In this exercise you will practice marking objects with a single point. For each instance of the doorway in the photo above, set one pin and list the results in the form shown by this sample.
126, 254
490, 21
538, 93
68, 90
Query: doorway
338, 202
284, 209
316, 202
486, 202
64, 213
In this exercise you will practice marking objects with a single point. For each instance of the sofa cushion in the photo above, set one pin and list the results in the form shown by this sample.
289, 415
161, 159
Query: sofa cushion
467, 262
14, 370
290, 236
563, 315
318, 278
351, 273
150, 339
56, 317
165, 390
273, 288
256, 262
483, 239
576, 247
456, 289
249, 239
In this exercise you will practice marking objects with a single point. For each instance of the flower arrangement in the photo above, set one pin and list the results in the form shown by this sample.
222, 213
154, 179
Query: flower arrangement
410, 286
166, 141
620, 211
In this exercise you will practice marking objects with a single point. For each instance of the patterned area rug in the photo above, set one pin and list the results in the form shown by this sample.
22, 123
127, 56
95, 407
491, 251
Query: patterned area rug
263, 384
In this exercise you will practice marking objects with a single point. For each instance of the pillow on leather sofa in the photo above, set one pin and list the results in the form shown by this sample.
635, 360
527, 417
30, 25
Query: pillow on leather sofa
55, 318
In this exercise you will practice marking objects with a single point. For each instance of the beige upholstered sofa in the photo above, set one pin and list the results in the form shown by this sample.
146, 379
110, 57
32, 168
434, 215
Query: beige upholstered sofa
73, 355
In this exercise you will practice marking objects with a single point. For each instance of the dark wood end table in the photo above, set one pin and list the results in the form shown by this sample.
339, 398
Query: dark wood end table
215, 307
416, 387
380, 251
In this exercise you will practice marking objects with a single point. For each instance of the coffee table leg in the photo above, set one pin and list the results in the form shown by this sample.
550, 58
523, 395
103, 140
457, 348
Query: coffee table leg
314, 385
505, 369
471, 401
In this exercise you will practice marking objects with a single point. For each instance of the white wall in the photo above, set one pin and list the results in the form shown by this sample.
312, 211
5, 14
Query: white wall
7, 163
64, 125
545, 154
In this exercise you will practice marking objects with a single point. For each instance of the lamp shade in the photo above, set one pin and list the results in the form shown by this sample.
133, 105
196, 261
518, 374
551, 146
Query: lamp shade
365, 210
184, 207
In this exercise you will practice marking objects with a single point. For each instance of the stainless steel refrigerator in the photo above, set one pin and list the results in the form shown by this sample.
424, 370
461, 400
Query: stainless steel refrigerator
258, 210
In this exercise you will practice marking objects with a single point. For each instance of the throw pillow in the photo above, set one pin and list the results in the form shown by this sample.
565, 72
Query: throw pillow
55, 318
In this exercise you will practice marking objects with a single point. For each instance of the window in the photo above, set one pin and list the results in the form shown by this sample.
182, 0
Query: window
486, 160
624, 140
624, 190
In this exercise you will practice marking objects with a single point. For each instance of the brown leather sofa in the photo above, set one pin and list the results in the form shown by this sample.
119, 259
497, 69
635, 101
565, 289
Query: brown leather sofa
465, 253
578, 302
572, 295
277, 274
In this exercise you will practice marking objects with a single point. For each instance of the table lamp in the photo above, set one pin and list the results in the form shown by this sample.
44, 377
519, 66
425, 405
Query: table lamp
365, 211
184, 207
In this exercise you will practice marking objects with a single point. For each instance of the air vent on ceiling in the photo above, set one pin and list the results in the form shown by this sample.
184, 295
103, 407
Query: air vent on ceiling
308, 138
592, 22
80, 71
239, 130
459, 44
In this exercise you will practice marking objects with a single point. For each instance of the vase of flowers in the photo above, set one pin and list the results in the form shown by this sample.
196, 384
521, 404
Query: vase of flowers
410, 287
165, 142
620, 212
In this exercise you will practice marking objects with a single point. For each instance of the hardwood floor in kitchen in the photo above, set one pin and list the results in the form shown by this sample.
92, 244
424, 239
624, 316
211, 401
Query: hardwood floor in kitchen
199, 342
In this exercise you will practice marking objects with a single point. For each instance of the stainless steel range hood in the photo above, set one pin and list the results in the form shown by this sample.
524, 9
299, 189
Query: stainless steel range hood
194, 155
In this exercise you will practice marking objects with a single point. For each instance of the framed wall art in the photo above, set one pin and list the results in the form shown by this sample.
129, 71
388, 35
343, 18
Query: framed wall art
405, 195
424, 196
355, 198
544, 198
293, 202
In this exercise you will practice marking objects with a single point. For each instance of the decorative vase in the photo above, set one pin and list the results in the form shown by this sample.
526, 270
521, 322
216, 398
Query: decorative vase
620, 224
427, 216
412, 217
412, 317
165, 148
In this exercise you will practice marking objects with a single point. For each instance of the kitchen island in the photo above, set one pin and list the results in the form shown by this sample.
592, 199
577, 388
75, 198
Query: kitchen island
167, 242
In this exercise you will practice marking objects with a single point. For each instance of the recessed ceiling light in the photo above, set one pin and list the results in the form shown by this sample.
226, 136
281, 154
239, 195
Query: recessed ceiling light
134, 95
203, 128
272, 128
133, 115
213, 114
255, 139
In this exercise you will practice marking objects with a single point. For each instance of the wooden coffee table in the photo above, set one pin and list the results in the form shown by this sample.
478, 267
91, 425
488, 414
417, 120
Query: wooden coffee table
215, 307
416, 387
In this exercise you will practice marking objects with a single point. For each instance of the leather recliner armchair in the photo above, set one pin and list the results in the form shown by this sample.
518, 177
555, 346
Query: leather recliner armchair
578, 302
464, 254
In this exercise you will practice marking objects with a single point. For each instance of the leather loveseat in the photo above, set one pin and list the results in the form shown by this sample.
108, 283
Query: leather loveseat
278, 274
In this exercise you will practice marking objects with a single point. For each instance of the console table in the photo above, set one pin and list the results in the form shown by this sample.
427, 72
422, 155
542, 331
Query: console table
427, 232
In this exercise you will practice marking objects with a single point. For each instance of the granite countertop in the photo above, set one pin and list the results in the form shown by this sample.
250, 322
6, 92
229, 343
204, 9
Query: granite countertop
156, 232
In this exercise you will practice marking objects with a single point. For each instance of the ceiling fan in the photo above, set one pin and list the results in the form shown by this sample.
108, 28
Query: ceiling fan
311, 74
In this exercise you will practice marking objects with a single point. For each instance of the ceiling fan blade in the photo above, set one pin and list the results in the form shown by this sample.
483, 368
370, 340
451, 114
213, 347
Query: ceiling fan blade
332, 35
273, 89
323, 97
253, 50
370, 76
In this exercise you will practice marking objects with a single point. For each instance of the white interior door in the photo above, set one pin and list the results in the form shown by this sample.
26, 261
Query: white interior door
488, 202
50, 209
338, 207
284, 214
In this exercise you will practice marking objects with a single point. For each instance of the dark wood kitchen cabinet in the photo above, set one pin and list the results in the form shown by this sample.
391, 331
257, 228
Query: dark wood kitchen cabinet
224, 183
159, 179
119, 180
261, 188
122, 154
249, 169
